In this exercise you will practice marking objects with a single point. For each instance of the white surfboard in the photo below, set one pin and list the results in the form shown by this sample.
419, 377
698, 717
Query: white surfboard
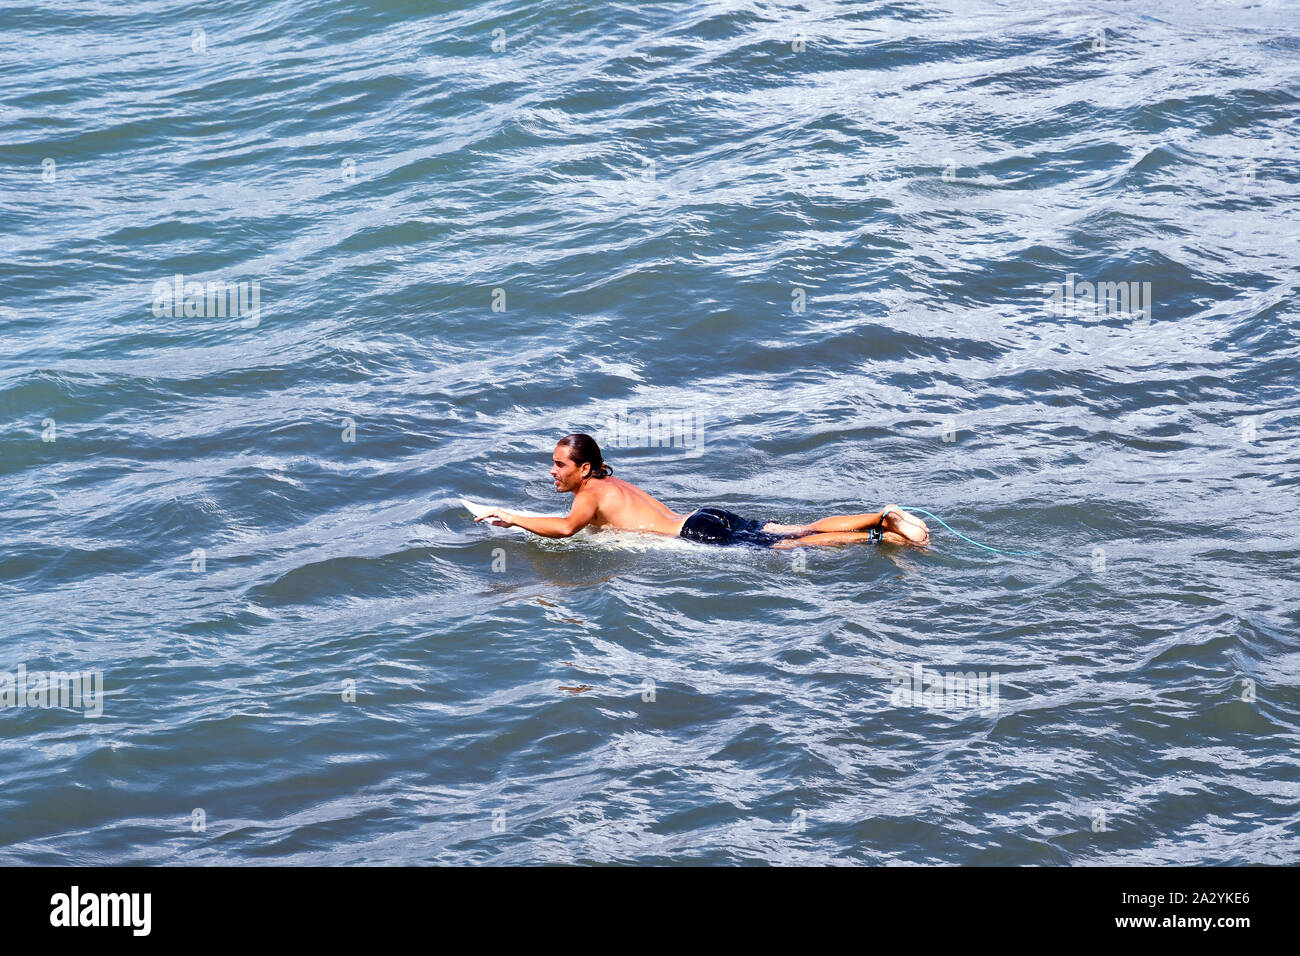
613, 540
478, 509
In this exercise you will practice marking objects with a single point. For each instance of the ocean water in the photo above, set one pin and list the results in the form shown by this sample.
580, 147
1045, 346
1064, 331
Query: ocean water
837, 254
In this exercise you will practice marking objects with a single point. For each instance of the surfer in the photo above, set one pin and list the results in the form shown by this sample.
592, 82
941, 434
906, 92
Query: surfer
602, 501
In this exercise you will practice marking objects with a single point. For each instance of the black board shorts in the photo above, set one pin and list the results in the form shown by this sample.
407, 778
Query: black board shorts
715, 526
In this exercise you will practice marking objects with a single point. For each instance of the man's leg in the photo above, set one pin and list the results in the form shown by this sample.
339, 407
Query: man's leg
899, 527
862, 522
817, 539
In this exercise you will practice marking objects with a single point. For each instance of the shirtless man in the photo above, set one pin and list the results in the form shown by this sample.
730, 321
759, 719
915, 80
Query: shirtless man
603, 501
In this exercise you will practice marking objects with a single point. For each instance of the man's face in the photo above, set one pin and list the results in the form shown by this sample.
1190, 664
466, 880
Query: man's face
568, 477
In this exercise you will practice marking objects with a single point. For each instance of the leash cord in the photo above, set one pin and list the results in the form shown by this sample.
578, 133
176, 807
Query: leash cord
930, 514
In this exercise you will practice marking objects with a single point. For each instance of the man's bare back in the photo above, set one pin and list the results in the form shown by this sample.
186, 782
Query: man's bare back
623, 506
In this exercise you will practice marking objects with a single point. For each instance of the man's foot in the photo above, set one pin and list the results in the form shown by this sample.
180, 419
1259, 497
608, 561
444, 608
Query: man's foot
899, 527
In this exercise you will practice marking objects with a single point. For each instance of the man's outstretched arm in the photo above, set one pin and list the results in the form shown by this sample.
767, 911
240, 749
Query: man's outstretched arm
584, 510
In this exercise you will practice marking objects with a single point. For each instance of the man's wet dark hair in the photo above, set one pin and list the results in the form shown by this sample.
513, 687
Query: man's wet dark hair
583, 450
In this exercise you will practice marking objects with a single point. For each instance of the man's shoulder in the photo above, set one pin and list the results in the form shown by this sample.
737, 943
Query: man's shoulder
612, 483
590, 492
605, 491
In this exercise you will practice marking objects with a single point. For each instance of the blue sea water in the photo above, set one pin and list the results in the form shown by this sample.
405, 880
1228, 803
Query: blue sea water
819, 244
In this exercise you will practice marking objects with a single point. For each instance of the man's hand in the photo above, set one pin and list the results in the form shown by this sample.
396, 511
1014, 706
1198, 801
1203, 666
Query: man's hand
502, 519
